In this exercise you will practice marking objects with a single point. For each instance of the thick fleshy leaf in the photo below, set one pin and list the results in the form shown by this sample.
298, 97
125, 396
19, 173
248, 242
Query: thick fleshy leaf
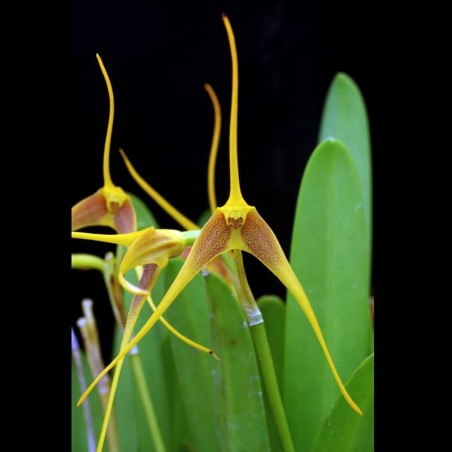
189, 315
240, 416
342, 431
329, 254
344, 118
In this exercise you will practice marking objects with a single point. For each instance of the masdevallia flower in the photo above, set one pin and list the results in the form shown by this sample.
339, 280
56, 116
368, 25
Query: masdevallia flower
148, 252
149, 249
235, 226
110, 205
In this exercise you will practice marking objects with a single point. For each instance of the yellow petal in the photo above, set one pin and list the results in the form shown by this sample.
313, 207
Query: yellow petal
146, 281
117, 239
90, 211
109, 206
235, 195
214, 147
108, 184
259, 240
214, 239
160, 200
151, 247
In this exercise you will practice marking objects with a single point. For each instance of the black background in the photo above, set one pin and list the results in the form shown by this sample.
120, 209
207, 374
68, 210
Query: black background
158, 56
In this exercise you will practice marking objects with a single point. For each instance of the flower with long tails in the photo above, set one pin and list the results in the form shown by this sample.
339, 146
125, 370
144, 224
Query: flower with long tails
216, 265
235, 226
110, 205
231, 268
151, 249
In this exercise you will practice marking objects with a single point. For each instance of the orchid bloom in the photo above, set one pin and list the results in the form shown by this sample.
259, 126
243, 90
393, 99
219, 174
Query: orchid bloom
110, 205
148, 252
152, 249
234, 226
216, 265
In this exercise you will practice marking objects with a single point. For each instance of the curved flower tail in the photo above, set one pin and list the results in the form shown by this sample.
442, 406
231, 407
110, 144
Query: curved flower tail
214, 147
160, 200
235, 196
217, 266
214, 239
150, 273
108, 184
117, 239
146, 247
147, 280
260, 241
110, 205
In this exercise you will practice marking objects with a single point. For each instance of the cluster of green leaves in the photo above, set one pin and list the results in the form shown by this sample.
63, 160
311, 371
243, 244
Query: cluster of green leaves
207, 405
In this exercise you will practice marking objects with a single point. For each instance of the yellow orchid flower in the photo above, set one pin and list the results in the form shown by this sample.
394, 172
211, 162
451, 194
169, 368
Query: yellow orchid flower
235, 226
150, 248
110, 205
216, 265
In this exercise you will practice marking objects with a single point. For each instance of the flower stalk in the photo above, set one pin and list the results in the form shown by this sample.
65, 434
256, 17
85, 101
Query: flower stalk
88, 329
90, 438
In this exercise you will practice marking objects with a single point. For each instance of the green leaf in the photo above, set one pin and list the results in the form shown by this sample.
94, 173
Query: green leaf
273, 310
205, 215
189, 315
329, 254
345, 119
343, 430
132, 423
240, 416
145, 218
180, 437
129, 415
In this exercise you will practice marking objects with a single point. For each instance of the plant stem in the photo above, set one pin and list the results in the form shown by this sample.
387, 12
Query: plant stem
82, 382
88, 329
264, 356
259, 336
87, 262
145, 397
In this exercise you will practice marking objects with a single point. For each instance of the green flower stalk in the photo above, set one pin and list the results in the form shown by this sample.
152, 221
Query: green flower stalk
107, 267
88, 329
235, 272
82, 382
234, 226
